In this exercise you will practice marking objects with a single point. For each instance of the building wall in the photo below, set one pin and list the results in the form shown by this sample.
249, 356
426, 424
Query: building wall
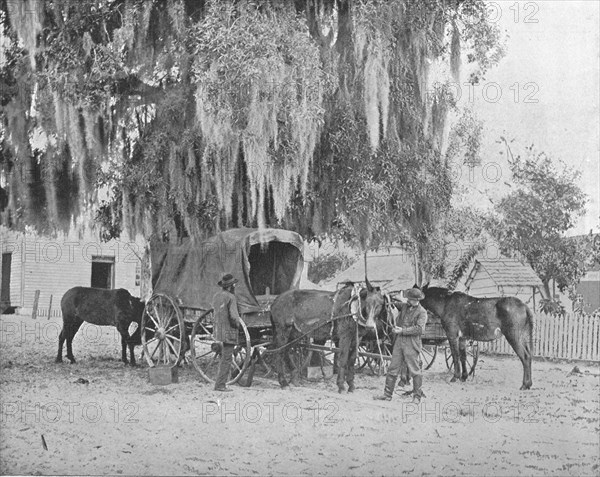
591, 295
483, 286
55, 265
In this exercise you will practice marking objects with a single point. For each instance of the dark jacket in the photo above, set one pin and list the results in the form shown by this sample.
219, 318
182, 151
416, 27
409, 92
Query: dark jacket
412, 320
227, 317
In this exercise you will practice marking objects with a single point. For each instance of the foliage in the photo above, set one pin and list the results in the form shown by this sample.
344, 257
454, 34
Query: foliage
531, 221
552, 307
327, 266
197, 116
456, 239
465, 139
482, 38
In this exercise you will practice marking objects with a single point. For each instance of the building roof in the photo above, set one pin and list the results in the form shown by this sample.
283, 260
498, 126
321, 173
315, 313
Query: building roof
509, 272
393, 270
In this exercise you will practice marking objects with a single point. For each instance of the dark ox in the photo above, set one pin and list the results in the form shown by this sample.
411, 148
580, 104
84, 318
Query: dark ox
482, 319
104, 308
295, 312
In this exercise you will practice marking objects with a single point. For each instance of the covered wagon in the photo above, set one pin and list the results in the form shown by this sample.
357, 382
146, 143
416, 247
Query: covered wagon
266, 262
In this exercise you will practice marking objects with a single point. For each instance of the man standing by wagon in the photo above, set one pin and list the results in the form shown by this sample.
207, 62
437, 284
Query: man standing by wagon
227, 319
408, 328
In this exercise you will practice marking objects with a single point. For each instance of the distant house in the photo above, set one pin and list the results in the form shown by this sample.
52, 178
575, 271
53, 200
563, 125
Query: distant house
392, 269
53, 265
588, 291
501, 276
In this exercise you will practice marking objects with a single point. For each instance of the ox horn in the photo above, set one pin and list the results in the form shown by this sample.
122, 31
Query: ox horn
368, 283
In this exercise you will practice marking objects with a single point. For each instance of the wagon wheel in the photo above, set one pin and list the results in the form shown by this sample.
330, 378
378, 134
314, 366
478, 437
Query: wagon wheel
162, 331
266, 361
428, 354
206, 351
472, 357
379, 366
361, 360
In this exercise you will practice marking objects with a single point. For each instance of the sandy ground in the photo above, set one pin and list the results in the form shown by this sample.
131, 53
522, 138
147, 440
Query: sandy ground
119, 423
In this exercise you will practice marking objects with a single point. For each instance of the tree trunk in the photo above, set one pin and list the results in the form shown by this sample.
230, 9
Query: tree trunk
545, 290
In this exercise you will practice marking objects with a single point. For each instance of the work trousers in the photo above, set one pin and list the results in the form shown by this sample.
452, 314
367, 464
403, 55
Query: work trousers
405, 355
224, 365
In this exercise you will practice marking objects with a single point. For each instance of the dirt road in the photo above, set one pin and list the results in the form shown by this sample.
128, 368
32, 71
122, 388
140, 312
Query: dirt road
100, 417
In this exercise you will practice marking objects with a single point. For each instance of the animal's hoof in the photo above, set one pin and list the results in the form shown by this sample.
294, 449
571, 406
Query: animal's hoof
454, 379
58, 360
351, 388
341, 390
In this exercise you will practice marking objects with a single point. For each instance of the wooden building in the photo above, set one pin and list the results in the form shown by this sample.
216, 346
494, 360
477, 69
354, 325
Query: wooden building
53, 265
393, 269
501, 276
588, 292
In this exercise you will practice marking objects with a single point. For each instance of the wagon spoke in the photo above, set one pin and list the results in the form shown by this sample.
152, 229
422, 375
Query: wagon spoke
168, 317
208, 353
172, 347
171, 328
153, 318
153, 352
155, 311
151, 339
165, 352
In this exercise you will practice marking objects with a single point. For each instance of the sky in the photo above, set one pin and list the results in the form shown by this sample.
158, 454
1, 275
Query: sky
544, 92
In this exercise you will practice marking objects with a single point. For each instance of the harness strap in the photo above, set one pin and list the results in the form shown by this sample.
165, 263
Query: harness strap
330, 321
356, 306
309, 332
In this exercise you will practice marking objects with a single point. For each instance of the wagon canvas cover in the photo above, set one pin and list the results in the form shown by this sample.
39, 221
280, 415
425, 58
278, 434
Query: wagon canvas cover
263, 260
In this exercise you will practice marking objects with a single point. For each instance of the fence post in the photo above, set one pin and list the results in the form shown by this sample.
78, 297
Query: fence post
50, 307
36, 300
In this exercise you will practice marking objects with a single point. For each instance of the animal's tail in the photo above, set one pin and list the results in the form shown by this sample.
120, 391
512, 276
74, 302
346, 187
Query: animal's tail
530, 323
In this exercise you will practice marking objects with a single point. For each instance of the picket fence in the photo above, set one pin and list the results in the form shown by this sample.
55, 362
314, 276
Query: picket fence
572, 336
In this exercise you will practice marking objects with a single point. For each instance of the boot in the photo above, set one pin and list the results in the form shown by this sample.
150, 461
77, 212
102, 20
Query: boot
417, 391
390, 384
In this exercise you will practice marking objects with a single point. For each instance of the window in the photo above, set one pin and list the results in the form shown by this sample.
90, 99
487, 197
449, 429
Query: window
103, 272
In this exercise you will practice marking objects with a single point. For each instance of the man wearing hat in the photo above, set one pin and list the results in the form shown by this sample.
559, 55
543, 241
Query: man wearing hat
410, 324
227, 318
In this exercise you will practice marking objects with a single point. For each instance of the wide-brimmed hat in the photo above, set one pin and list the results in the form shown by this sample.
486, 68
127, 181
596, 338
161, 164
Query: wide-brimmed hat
227, 280
413, 294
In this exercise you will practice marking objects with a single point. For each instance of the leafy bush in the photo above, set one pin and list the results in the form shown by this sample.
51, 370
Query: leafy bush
327, 266
552, 307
